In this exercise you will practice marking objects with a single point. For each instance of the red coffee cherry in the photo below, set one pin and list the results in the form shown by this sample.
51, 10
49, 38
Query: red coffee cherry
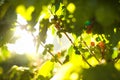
92, 43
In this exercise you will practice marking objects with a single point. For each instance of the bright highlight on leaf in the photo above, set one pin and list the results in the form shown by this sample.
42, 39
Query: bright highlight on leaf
71, 7
25, 12
46, 69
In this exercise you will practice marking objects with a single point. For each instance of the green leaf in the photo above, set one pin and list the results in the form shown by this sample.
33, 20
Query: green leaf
64, 72
59, 34
70, 51
40, 77
46, 69
4, 53
98, 39
44, 24
53, 30
20, 73
49, 47
44, 52
56, 3
38, 4
3, 9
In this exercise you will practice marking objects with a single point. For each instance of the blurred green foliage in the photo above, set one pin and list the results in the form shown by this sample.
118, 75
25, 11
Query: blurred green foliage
95, 43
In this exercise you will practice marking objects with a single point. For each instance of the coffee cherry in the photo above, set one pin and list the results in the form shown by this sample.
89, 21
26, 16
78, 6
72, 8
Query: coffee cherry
59, 54
92, 43
101, 44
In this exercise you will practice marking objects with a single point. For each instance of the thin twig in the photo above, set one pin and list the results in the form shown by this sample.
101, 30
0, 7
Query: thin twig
86, 61
77, 48
48, 51
55, 57
52, 54
69, 38
90, 50
42, 45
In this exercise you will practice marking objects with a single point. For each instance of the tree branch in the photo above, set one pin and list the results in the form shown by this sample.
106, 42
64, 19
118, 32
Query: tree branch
90, 50
77, 48
52, 55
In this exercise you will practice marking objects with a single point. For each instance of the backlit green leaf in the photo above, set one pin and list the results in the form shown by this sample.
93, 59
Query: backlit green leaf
46, 69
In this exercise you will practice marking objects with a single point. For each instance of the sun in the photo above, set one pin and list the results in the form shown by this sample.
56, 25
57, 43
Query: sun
25, 43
